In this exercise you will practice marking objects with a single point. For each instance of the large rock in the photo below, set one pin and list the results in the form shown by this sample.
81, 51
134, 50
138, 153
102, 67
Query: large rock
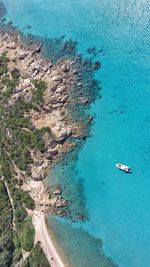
64, 98
53, 152
38, 48
90, 119
65, 133
49, 157
53, 143
22, 54
60, 89
57, 78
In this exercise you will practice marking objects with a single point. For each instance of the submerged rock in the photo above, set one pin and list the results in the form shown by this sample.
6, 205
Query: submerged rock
96, 65
57, 191
90, 119
38, 48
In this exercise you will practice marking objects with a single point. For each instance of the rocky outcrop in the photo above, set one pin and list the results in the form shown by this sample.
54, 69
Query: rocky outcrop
59, 202
11, 45
66, 87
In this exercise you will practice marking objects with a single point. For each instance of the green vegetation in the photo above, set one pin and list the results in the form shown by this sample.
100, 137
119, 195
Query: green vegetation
15, 73
7, 246
37, 258
18, 134
18, 138
11, 242
26, 233
17, 254
3, 64
20, 214
20, 198
38, 94
5, 210
9, 80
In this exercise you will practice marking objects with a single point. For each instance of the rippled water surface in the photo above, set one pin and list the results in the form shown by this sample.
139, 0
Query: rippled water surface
118, 204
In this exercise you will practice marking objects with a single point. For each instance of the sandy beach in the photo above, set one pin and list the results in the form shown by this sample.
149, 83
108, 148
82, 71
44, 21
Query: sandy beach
42, 235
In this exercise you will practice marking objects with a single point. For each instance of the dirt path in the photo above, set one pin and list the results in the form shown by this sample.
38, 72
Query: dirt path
24, 253
12, 204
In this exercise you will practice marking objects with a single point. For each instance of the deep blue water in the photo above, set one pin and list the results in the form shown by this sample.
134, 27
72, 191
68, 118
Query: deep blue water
118, 204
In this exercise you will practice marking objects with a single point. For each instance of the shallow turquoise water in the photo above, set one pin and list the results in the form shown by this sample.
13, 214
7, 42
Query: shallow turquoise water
118, 204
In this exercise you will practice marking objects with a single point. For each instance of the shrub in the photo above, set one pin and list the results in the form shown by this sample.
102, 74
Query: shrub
26, 233
40, 88
15, 73
20, 214
17, 255
21, 197
27, 200
3, 64
16, 240
37, 258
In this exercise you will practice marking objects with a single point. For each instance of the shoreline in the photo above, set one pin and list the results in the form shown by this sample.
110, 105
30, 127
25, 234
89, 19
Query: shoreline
45, 93
42, 234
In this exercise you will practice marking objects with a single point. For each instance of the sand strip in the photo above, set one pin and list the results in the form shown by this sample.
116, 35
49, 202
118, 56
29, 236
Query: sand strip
42, 235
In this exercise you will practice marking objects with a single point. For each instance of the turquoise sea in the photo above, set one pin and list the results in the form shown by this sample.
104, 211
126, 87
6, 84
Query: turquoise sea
118, 204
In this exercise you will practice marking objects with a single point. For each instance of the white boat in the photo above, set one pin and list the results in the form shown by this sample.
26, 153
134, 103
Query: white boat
123, 167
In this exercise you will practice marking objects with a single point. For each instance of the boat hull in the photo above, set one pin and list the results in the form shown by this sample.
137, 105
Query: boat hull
123, 167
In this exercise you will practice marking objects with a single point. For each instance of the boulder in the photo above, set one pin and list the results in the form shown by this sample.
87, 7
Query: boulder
53, 152
53, 143
49, 156
62, 213
66, 133
90, 119
96, 65
38, 48
22, 54
65, 68
84, 100
56, 78
64, 98
60, 89
57, 192
75, 72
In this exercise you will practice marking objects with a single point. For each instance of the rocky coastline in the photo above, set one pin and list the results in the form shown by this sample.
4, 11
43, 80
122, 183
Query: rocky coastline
51, 97
60, 78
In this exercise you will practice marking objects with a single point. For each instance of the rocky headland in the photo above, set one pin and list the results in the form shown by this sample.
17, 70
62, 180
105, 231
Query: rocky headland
42, 104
